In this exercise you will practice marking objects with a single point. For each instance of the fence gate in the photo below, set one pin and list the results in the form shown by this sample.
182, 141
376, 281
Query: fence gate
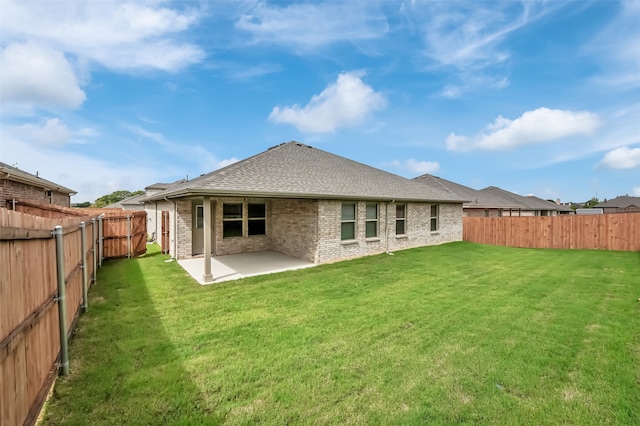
165, 232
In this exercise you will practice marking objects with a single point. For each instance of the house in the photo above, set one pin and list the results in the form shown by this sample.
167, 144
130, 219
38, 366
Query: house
621, 204
16, 184
480, 204
306, 203
493, 201
130, 203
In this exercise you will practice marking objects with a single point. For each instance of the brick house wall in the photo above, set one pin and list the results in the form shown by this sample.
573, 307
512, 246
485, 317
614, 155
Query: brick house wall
10, 190
293, 227
311, 229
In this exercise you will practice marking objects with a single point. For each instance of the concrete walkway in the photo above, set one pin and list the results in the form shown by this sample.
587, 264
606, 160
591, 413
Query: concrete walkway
236, 266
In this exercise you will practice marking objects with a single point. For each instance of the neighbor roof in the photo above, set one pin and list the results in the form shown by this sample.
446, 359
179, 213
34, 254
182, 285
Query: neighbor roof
295, 170
527, 203
477, 199
135, 200
17, 175
621, 202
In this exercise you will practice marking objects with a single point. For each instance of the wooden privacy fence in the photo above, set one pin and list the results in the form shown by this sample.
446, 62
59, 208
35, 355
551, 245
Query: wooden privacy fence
124, 231
604, 232
39, 272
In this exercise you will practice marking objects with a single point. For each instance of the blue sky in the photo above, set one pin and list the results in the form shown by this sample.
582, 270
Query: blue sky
534, 97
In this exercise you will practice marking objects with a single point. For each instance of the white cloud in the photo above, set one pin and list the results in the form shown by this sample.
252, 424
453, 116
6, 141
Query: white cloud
412, 167
622, 158
118, 35
308, 26
227, 162
53, 133
32, 74
539, 125
636, 191
345, 103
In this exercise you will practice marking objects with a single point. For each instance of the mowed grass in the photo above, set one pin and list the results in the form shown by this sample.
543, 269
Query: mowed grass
458, 333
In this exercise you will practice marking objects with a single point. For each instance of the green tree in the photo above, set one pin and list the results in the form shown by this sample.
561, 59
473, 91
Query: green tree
82, 205
114, 197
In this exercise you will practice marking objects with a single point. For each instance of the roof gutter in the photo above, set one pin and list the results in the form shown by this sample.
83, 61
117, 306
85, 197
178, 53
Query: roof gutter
267, 194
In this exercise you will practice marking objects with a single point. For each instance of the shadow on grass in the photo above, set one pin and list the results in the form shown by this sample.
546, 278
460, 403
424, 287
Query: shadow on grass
124, 367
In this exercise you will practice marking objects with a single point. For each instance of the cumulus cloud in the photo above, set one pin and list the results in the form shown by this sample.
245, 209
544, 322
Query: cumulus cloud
636, 191
414, 167
117, 35
53, 133
32, 74
345, 103
539, 125
621, 158
305, 27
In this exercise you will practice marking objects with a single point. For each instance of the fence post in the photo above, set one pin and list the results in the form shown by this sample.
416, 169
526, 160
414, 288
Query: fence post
62, 302
129, 236
93, 249
100, 240
83, 266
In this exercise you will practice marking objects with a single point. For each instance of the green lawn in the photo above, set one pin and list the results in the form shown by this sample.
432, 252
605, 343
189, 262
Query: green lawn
458, 333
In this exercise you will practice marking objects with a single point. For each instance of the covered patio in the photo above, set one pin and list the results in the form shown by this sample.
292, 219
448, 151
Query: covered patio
236, 266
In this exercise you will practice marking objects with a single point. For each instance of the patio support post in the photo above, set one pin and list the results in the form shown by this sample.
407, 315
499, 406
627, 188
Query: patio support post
207, 277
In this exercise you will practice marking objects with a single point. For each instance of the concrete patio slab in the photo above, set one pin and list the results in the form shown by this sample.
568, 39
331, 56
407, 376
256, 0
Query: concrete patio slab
236, 266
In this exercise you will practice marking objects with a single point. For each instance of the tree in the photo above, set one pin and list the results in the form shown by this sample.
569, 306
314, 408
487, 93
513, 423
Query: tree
81, 205
114, 197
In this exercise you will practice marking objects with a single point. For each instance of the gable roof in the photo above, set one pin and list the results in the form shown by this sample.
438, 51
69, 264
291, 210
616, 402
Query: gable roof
527, 203
621, 202
295, 170
135, 200
14, 174
476, 199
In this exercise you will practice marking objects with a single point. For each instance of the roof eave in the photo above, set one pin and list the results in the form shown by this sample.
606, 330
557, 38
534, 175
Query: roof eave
194, 192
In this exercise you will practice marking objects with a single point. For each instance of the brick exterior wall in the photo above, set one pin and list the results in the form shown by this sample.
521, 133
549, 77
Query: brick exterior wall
10, 190
310, 229
331, 248
245, 243
293, 227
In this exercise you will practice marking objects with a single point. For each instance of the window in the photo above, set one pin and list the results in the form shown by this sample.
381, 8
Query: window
371, 225
199, 217
434, 217
257, 219
231, 220
401, 219
348, 222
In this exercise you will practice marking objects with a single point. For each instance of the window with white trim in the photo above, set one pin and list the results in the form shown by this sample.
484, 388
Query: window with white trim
199, 217
231, 220
435, 211
257, 219
401, 219
348, 222
371, 220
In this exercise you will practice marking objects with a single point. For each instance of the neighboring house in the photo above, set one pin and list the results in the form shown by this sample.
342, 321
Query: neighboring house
480, 204
306, 203
16, 184
493, 201
131, 203
154, 214
524, 206
621, 204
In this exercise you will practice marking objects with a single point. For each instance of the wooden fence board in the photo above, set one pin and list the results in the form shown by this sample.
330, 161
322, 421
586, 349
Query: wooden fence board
602, 232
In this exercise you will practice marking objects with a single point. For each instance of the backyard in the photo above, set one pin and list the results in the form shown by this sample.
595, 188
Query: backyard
457, 333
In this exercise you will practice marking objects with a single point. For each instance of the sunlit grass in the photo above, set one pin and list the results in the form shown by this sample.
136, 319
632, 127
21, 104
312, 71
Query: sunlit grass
459, 333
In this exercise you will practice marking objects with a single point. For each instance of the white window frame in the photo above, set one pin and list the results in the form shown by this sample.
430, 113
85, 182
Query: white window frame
256, 219
234, 219
345, 221
435, 218
401, 219
368, 220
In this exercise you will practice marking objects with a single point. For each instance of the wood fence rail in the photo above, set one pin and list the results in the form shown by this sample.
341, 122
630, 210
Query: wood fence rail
602, 232
30, 337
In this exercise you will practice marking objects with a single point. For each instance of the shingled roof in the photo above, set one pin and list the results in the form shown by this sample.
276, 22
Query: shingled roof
526, 203
15, 174
295, 170
621, 202
475, 198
